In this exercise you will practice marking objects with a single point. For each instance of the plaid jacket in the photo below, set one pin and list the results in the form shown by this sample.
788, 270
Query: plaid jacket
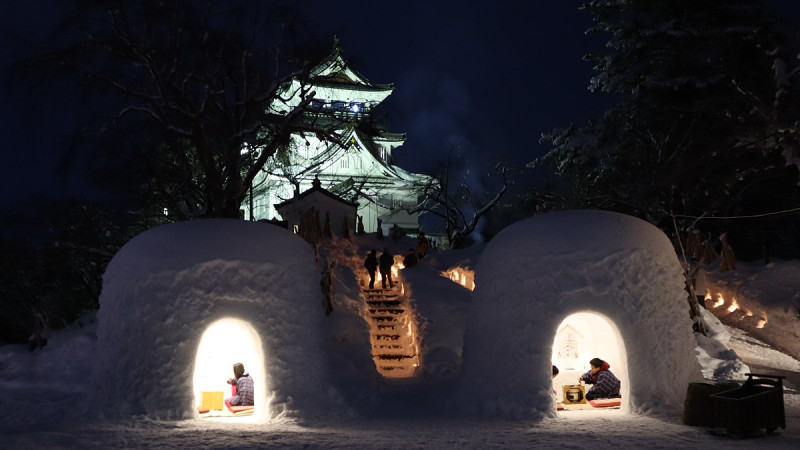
606, 384
244, 391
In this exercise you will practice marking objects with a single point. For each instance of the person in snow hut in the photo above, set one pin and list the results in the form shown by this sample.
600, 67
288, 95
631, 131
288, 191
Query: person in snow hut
371, 264
241, 388
411, 258
385, 263
604, 383
559, 406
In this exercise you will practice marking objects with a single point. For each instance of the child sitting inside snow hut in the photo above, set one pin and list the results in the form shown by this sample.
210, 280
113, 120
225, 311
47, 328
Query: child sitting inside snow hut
604, 383
241, 388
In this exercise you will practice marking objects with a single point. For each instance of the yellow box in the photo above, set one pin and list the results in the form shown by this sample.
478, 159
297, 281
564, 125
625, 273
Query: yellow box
574, 394
212, 400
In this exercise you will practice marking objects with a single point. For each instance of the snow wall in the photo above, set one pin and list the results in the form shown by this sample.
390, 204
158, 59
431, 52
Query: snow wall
539, 271
167, 286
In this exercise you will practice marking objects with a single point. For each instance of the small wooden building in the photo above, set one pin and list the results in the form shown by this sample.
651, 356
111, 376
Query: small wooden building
329, 206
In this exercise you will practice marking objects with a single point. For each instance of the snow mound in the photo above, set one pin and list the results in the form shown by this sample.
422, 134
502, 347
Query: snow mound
537, 273
168, 286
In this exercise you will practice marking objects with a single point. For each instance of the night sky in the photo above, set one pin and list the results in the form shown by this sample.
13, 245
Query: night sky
486, 78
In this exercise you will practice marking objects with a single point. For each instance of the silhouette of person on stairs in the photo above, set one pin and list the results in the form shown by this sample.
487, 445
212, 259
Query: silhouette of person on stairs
371, 264
386, 261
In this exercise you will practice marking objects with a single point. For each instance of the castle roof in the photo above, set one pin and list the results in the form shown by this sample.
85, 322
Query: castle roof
334, 70
332, 79
316, 189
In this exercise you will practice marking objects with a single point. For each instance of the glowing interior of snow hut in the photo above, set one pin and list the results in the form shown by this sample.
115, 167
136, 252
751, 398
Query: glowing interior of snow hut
612, 281
225, 343
581, 337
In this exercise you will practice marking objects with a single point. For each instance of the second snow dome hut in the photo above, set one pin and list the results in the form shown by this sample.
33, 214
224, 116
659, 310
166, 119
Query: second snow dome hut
183, 302
612, 280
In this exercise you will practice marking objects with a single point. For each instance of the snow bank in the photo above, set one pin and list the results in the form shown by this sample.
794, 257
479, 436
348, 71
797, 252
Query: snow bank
165, 288
767, 301
539, 271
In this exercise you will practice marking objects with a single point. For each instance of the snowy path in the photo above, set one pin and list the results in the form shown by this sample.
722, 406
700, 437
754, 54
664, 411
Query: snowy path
578, 429
47, 423
761, 358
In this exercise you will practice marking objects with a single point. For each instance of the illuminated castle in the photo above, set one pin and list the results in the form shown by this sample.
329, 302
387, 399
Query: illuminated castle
358, 166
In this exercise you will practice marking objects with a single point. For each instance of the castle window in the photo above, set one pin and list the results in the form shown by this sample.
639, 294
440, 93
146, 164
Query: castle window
344, 163
317, 104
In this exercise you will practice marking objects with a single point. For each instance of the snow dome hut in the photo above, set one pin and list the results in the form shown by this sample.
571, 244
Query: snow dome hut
563, 288
183, 302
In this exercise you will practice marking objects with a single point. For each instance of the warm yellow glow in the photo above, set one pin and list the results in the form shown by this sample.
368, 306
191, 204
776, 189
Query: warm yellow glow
223, 344
708, 296
464, 277
395, 351
734, 306
395, 272
581, 337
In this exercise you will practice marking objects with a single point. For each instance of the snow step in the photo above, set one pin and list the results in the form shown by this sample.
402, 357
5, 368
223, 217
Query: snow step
389, 352
392, 319
386, 337
383, 299
381, 292
394, 350
384, 303
386, 310
389, 357
387, 347
409, 370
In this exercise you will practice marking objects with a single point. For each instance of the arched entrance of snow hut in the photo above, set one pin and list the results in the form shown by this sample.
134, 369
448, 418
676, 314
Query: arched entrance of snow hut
581, 337
223, 344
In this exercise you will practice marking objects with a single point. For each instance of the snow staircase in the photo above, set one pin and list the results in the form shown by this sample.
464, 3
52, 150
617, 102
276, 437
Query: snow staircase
392, 333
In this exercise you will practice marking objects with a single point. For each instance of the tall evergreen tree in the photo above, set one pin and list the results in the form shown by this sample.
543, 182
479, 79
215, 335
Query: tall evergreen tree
706, 117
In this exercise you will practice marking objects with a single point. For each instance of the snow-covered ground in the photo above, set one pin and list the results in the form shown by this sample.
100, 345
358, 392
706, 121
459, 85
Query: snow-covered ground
42, 393
39, 389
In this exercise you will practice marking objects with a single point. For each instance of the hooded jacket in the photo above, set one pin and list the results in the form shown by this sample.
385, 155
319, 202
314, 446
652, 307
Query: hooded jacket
604, 383
244, 391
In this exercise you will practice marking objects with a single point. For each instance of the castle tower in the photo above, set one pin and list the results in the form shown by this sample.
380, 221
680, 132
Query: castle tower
357, 164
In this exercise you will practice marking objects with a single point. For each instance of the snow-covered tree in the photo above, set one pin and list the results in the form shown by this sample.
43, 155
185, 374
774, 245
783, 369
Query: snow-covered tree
457, 200
182, 86
706, 120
